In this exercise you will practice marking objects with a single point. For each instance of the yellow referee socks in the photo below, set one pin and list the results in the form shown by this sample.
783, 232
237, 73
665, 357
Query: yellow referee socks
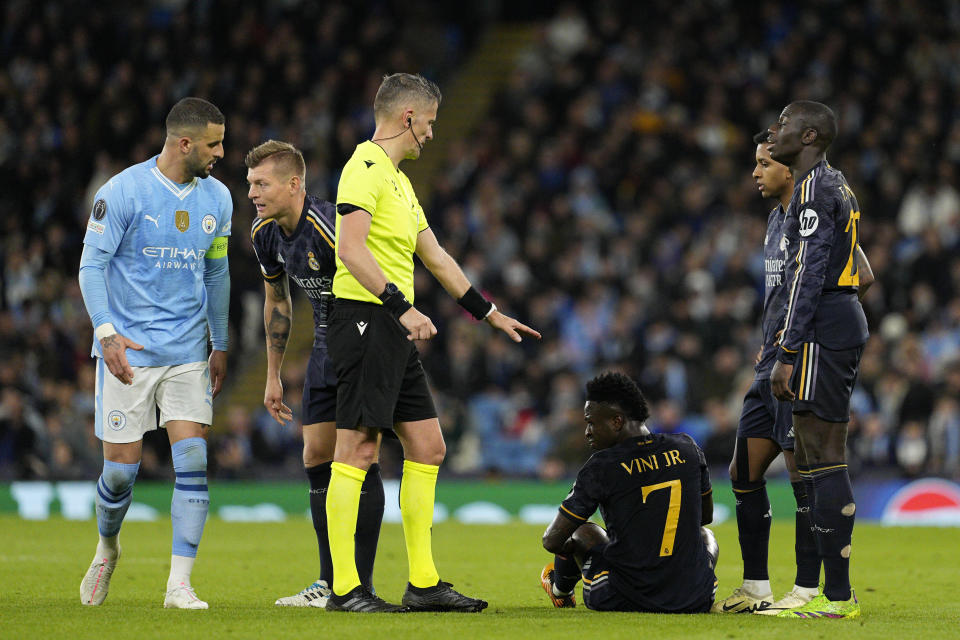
343, 503
417, 492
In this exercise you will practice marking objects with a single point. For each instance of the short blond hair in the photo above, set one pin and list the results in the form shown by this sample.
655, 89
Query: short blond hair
400, 87
287, 158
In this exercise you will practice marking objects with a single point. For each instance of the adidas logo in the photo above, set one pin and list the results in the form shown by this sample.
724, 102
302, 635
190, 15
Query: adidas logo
362, 326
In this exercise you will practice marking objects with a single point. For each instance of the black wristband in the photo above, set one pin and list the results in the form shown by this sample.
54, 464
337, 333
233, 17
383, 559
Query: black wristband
394, 301
474, 302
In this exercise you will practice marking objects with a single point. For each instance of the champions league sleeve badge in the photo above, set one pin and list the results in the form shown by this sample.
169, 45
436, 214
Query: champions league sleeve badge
99, 213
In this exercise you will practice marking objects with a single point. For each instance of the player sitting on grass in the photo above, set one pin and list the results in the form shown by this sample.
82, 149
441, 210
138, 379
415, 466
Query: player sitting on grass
654, 495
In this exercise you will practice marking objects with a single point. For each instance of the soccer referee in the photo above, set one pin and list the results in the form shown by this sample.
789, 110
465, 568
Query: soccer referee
381, 382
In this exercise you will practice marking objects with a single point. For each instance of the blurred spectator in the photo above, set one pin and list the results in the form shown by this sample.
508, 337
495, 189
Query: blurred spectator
233, 452
605, 197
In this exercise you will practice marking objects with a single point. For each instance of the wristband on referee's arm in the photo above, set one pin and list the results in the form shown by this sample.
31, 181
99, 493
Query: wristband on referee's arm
478, 306
394, 301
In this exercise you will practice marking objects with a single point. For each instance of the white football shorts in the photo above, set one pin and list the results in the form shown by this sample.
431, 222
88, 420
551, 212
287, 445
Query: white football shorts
125, 413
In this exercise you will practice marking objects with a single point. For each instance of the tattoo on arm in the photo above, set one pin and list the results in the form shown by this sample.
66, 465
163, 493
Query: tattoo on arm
281, 289
278, 331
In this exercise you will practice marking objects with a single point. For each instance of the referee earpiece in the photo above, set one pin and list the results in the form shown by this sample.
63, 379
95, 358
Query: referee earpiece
409, 123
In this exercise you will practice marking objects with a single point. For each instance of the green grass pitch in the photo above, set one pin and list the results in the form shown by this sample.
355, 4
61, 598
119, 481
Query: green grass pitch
906, 580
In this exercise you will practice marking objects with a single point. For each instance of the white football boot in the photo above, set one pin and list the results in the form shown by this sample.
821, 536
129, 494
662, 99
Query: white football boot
797, 597
96, 583
183, 596
742, 601
316, 595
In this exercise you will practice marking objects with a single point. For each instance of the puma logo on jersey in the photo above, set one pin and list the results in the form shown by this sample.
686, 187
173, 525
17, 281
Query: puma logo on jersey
361, 326
155, 221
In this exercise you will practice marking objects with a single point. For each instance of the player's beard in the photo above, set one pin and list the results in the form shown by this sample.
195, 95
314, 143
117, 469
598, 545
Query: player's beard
197, 168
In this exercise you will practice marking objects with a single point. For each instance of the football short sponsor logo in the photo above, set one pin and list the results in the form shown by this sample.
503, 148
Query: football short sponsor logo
808, 222
182, 220
99, 209
116, 420
209, 223
96, 227
312, 261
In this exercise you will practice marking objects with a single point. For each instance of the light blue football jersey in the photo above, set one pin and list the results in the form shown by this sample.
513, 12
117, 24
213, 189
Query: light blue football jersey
158, 232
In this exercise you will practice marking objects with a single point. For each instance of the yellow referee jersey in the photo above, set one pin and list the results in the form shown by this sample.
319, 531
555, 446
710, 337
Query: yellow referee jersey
370, 182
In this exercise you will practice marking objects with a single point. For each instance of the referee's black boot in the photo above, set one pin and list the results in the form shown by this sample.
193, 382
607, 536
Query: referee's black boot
440, 597
360, 600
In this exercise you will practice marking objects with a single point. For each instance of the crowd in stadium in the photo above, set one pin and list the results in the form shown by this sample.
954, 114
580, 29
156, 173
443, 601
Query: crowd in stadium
605, 200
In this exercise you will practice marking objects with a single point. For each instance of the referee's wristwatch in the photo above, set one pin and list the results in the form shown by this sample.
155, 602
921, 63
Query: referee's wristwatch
390, 290
394, 301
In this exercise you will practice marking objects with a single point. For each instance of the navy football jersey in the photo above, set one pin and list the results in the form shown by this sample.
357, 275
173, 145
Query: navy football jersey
775, 250
821, 228
649, 492
306, 256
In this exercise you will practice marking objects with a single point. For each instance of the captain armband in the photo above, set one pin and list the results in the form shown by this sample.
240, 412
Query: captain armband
218, 248
478, 306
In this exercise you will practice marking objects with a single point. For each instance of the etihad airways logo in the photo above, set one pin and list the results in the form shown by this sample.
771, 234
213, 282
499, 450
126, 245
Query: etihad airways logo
175, 257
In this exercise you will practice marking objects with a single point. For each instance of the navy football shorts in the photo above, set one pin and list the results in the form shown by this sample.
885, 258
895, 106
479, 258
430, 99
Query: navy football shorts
823, 380
600, 595
319, 389
763, 416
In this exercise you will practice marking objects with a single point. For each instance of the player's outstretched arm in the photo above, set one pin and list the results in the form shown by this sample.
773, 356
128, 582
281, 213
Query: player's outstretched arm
277, 322
446, 270
510, 326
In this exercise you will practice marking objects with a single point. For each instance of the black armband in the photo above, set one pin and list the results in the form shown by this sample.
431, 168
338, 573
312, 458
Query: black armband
478, 306
394, 301
344, 208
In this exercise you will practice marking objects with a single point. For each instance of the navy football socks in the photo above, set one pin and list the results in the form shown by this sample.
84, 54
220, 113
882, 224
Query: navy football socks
319, 477
566, 573
805, 547
833, 517
753, 525
369, 518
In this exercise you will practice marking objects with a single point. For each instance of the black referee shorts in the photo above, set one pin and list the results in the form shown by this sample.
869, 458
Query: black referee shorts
380, 379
